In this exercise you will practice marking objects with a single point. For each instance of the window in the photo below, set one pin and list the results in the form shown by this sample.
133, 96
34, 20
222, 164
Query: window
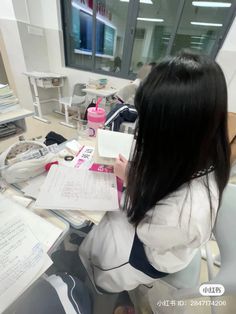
156, 20
201, 25
117, 37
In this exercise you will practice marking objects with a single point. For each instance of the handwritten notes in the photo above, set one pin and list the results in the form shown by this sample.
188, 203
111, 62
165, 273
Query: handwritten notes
22, 257
43, 230
70, 188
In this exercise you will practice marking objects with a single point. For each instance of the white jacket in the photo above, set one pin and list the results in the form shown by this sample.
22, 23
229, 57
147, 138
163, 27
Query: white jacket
171, 234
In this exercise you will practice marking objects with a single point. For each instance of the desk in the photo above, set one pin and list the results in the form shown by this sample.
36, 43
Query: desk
17, 117
103, 92
44, 80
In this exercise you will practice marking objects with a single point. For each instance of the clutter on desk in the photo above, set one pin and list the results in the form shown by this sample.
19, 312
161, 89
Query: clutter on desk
25, 160
98, 84
73, 189
110, 144
69, 158
8, 101
54, 138
73, 147
50, 164
83, 159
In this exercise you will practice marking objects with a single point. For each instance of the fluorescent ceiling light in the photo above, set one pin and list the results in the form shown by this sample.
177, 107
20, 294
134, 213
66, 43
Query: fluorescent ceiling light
141, 1
195, 43
149, 19
211, 4
199, 37
207, 24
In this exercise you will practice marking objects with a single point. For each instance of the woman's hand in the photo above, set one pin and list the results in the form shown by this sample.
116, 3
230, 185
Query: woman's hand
120, 168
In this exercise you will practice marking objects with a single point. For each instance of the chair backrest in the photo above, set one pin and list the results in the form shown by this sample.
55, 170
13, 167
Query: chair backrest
78, 89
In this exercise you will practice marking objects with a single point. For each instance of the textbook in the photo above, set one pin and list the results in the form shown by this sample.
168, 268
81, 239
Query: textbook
24, 241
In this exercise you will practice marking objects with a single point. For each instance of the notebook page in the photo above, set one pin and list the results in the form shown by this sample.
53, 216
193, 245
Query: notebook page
44, 231
22, 258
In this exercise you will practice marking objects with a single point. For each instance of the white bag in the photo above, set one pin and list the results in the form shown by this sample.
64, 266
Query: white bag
26, 169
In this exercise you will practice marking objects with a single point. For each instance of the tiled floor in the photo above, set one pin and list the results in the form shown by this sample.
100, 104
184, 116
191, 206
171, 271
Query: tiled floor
36, 128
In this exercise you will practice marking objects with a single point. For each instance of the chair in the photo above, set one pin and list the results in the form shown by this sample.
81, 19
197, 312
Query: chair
78, 98
186, 281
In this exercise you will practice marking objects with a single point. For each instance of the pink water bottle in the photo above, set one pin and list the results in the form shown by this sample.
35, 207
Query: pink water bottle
96, 119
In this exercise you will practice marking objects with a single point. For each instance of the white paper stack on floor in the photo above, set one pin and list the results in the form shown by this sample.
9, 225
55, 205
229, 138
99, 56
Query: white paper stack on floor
24, 240
72, 189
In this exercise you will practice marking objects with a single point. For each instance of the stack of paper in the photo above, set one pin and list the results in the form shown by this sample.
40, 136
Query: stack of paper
8, 101
24, 241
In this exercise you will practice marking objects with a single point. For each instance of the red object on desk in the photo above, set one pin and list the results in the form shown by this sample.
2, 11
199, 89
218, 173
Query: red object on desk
49, 165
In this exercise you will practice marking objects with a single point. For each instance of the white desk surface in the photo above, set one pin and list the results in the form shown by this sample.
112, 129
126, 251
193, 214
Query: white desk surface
103, 92
44, 74
14, 115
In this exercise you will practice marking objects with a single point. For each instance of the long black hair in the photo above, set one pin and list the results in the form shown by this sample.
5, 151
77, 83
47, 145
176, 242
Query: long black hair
182, 129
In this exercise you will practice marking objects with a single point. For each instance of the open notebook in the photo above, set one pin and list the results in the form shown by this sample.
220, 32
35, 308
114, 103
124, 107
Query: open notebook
24, 241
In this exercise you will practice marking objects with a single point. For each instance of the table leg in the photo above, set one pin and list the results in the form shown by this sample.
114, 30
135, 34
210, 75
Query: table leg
60, 105
38, 111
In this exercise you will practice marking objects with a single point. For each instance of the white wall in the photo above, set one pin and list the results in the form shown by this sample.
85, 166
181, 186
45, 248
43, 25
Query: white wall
12, 53
226, 58
7, 10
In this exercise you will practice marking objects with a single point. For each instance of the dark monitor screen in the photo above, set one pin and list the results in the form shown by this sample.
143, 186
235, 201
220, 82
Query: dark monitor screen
82, 29
100, 37
86, 31
109, 40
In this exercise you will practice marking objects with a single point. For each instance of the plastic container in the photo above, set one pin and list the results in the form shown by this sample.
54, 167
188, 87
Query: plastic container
96, 120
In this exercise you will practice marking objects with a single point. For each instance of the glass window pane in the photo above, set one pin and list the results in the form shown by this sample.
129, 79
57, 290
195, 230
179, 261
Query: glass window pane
153, 30
200, 25
110, 32
79, 33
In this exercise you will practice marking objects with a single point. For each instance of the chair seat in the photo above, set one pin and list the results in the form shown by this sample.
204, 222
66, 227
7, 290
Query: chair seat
76, 100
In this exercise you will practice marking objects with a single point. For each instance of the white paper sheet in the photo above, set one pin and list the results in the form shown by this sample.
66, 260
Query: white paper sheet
33, 187
111, 144
44, 231
22, 257
73, 189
